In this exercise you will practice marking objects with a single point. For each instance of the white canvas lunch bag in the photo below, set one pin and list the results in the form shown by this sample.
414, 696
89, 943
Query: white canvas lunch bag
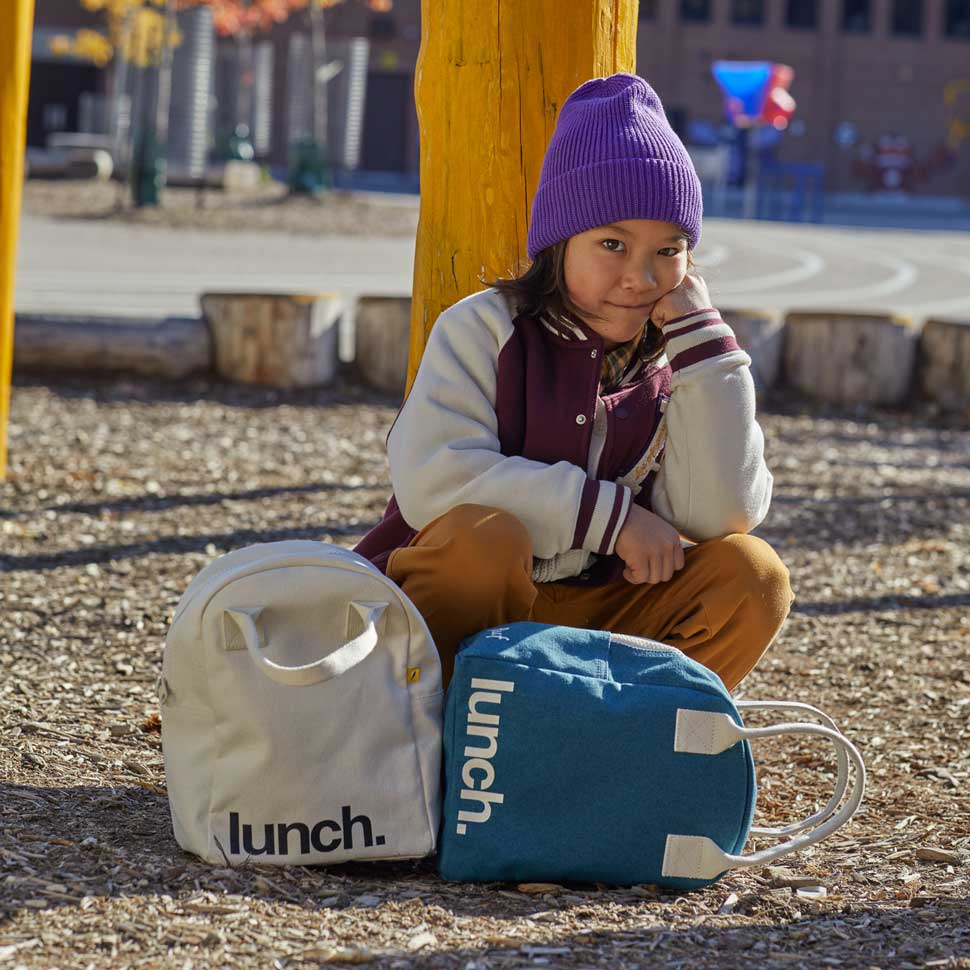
301, 711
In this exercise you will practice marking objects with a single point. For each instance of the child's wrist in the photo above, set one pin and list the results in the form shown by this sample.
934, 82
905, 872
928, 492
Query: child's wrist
683, 314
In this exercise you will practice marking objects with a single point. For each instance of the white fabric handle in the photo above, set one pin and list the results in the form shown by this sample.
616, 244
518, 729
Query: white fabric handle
337, 662
706, 732
842, 781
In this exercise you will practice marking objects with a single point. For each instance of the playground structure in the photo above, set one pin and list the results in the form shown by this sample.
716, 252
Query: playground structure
489, 83
106, 525
487, 102
16, 21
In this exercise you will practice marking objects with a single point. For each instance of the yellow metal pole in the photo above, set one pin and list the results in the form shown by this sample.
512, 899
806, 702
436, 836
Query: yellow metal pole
16, 22
491, 76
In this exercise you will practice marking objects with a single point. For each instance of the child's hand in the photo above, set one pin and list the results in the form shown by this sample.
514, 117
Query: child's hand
650, 548
689, 296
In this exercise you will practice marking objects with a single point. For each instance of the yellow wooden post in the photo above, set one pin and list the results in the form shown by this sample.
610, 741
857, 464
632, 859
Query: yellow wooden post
16, 22
491, 77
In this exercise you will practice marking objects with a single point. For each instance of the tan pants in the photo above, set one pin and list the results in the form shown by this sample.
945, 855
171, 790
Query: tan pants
471, 569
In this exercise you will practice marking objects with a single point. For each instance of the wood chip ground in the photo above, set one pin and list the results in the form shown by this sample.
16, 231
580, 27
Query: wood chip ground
119, 492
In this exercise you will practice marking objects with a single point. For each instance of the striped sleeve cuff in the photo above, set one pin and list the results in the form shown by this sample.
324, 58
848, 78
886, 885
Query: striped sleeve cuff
698, 336
603, 511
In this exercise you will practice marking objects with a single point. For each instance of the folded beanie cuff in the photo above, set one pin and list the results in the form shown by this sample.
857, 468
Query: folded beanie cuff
611, 191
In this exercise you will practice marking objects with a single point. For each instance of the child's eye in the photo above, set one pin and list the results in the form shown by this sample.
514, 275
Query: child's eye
670, 251
607, 242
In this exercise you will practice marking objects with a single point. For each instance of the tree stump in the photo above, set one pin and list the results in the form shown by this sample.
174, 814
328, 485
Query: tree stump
240, 177
171, 349
761, 335
275, 340
850, 358
90, 163
383, 327
944, 366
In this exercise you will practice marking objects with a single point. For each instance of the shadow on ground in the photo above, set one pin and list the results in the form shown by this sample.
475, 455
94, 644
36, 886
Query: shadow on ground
115, 389
84, 842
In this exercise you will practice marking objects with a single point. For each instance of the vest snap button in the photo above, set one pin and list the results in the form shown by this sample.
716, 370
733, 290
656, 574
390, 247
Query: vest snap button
580, 419
592, 354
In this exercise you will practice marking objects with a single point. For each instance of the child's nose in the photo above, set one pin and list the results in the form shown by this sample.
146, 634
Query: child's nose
641, 277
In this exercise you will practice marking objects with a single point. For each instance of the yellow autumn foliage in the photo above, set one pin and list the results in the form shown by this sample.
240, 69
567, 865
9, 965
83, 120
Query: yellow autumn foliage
135, 32
61, 46
93, 47
135, 29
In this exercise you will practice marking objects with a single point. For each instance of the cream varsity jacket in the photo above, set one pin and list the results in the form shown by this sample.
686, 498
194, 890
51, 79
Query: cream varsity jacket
505, 411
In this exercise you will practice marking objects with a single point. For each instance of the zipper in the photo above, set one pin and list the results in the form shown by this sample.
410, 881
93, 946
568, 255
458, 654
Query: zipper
642, 644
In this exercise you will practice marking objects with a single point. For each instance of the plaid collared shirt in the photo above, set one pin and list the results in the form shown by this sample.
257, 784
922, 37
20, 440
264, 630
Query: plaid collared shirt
617, 362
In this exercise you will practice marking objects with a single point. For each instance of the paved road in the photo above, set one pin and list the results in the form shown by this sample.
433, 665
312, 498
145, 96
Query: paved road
116, 269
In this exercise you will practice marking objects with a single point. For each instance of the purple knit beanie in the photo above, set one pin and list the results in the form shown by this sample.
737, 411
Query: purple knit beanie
613, 156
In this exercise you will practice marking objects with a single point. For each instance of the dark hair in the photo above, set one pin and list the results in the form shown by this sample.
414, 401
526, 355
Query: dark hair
542, 286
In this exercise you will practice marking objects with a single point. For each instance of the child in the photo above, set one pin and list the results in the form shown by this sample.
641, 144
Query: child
565, 426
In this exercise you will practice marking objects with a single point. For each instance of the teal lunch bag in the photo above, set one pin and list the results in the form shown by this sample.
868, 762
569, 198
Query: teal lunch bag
586, 756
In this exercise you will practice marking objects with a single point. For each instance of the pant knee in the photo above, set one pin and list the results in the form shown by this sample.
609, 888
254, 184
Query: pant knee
473, 550
484, 528
489, 539
767, 579
468, 570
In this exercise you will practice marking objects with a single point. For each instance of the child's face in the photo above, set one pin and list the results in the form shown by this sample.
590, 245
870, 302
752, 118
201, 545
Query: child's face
616, 273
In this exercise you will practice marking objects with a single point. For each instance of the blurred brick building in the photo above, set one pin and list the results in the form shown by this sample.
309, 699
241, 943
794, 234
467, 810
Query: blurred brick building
863, 68
277, 70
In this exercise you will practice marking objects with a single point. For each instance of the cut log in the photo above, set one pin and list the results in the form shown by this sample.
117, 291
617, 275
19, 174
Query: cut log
850, 358
944, 364
240, 177
92, 163
761, 335
274, 339
172, 349
383, 325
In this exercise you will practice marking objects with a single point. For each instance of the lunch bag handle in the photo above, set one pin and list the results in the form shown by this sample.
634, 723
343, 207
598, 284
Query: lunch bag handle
842, 780
337, 662
710, 733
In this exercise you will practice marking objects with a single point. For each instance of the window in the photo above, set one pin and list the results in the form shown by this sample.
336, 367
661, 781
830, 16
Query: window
695, 10
957, 23
907, 18
677, 118
383, 26
648, 10
747, 12
801, 13
855, 16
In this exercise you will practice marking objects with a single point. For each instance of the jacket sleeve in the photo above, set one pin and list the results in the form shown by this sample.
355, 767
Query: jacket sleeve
713, 480
444, 448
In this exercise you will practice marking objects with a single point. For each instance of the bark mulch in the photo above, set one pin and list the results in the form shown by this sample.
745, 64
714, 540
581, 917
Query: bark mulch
119, 492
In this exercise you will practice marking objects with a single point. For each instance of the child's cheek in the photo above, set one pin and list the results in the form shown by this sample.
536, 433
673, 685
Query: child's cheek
675, 281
